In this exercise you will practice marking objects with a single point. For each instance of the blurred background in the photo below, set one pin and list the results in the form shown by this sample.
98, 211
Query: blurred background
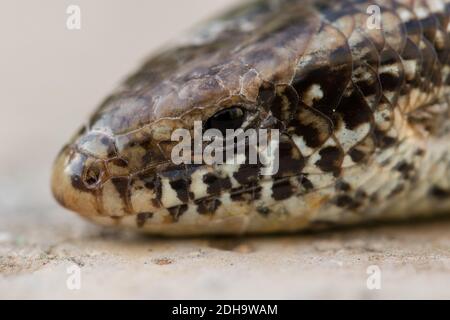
51, 79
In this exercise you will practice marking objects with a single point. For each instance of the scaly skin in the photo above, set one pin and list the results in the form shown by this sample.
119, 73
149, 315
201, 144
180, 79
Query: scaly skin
363, 116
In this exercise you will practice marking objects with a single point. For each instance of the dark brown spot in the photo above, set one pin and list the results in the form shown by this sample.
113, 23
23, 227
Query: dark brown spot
311, 125
332, 78
121, 185
148, 157
306, 183
282, 190
406, 169
179, 180
247, 174
384, 141
389, 81
142, 217
354, 110
330, 160
347, 202
207, 206
216, 184
291, 161
181, 187
440, 193
285, 104
420, 152
152, 182
369, 87
357, 155
177, 211
266, 94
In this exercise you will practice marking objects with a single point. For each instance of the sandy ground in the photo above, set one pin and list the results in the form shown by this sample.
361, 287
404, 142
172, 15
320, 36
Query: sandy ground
51, 78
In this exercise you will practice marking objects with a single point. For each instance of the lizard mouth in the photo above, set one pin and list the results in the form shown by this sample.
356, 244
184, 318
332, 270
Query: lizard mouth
262, 193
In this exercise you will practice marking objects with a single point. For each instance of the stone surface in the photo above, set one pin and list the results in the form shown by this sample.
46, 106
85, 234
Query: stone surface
39, 246
51, 78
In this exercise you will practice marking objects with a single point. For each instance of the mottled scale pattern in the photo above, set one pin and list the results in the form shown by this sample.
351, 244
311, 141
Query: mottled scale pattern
362, 111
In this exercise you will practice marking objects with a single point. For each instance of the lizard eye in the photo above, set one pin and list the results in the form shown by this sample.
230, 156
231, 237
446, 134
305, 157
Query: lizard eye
231, 118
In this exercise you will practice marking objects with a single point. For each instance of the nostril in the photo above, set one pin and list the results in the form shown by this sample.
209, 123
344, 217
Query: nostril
93, 175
